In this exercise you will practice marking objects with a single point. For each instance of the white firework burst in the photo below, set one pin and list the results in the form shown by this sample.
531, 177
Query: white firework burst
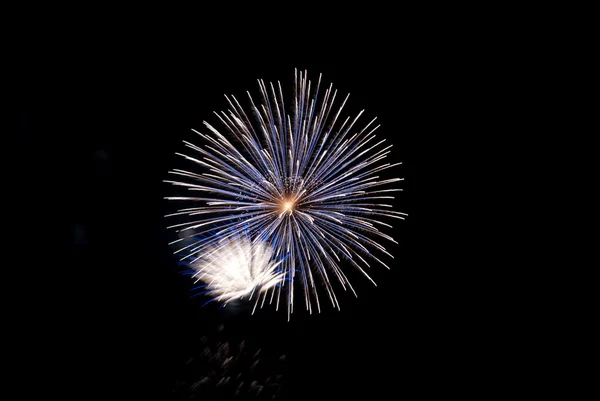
305, 182
237, 268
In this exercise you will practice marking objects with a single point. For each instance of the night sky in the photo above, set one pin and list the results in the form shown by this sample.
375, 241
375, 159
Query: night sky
122, 314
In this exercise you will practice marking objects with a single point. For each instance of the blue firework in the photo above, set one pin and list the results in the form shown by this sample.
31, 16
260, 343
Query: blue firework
304, 181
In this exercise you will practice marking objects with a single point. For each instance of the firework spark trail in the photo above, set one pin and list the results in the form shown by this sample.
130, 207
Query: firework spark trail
236, 268
304, 183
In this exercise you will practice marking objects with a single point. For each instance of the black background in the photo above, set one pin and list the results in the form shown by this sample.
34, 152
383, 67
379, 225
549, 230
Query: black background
118, 315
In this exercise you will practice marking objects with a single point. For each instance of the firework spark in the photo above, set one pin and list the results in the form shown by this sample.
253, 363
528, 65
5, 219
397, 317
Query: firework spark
223, 367
236, 268
305, 182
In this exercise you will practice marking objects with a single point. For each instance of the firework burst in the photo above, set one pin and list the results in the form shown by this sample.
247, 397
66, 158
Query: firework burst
305, 182
236, 268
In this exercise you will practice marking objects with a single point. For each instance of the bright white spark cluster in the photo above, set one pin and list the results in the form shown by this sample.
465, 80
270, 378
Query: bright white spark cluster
306, 182
236, 268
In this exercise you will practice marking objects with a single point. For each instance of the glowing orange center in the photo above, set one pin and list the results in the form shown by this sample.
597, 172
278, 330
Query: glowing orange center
288, 206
